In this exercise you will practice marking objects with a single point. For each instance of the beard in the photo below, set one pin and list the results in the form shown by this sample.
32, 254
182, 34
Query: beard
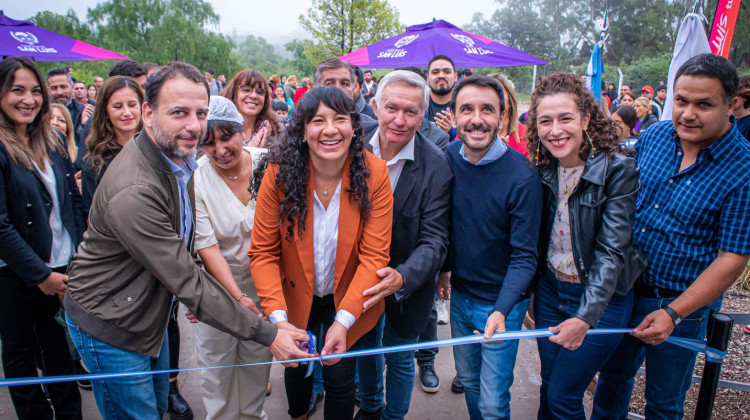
441, 91
493, 136
168, 145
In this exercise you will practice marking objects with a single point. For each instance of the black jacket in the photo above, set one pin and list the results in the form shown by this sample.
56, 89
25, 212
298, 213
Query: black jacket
421, 231
25, 206
602, 211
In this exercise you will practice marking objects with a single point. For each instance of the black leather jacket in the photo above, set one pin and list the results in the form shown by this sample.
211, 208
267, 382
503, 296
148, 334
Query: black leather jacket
602, 211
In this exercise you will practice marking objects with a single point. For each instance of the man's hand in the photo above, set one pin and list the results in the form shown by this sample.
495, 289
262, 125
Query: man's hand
335, 342
570, 333
286, 345
495, 324
88, 111
443, 286
444, 120
391, 281
189, 315
655, 328
56, 283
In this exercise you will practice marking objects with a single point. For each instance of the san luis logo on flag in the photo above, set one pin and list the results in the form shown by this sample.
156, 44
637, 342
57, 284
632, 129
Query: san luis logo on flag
469, 47
398, 52
30, 39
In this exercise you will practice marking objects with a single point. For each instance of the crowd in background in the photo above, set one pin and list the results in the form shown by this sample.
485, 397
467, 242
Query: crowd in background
363, 212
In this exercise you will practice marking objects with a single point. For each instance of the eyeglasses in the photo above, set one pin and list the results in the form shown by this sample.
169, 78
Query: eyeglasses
248, 89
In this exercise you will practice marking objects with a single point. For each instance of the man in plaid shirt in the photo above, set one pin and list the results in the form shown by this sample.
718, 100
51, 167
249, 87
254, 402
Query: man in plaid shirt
692, 218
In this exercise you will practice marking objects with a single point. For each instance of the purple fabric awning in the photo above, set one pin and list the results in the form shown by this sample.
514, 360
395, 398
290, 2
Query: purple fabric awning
420, 43
23, 38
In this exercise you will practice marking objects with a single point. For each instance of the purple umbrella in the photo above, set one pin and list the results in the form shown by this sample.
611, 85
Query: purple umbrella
23, 38
422, 42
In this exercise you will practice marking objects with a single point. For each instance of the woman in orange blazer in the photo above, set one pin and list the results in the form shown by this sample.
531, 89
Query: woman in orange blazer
322, 229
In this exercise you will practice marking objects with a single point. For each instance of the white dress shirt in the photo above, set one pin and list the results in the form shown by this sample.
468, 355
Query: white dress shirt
62, 243
395, 165
325, 240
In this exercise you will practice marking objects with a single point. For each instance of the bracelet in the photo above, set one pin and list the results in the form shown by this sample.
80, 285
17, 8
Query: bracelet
243, 294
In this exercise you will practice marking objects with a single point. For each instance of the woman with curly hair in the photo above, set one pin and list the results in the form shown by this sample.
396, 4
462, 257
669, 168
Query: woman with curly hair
117, 118
587, 263
742, 109
251, 94
322, 228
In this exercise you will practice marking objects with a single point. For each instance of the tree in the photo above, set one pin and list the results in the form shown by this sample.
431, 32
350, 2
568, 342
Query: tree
162, 31
341, 26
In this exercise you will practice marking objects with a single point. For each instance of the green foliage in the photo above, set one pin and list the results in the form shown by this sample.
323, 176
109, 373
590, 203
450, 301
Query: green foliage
341, 26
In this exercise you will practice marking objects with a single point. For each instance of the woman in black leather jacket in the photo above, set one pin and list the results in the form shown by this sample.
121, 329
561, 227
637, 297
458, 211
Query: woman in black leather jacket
587, 262
41, 224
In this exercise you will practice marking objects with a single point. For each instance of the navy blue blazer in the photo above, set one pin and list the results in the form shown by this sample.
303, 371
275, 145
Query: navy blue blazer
421, 233
25, 207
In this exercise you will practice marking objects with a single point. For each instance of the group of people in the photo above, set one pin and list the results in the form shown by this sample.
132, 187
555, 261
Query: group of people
336, 229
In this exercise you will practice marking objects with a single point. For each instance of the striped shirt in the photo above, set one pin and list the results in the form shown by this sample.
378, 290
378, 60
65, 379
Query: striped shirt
683, 218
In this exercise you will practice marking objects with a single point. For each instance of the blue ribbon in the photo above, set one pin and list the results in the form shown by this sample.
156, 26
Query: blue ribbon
712, 354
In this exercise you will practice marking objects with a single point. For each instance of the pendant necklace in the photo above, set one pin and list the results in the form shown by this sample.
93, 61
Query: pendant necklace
325, 190
234, 178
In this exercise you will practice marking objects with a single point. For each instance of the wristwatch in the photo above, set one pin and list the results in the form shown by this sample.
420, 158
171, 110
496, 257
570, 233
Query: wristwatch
672, 314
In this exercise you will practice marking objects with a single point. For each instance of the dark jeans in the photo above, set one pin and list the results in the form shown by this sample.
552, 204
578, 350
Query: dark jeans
338, 379
27, 323
426, 357
669, 368
566, 374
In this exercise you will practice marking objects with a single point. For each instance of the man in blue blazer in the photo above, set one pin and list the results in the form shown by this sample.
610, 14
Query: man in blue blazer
422, 183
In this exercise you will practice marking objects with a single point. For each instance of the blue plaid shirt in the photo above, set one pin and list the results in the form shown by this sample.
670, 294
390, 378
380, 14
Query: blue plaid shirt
683, 219
183, 172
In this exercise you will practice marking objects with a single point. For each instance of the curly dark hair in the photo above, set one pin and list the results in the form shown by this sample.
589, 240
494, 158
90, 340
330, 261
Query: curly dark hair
602, 130
292, 154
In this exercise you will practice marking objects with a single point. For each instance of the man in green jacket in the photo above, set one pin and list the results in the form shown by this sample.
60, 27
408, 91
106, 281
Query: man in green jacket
138, 254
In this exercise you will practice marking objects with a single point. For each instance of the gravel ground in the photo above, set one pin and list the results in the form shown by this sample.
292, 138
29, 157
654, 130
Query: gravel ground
729, 404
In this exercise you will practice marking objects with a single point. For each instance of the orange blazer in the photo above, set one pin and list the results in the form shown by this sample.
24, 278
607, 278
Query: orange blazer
284, 269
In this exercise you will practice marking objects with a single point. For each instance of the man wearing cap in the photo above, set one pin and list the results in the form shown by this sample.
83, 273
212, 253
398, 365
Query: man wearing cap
648, 93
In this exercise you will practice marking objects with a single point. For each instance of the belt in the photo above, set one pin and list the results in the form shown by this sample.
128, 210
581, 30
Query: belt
641, 289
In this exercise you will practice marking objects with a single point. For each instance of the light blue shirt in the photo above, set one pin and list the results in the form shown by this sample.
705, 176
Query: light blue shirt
183, 172
497, 149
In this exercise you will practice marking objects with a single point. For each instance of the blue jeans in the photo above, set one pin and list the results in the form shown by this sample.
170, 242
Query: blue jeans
141, 397
399, 380
566, 374
485, 370
669, 368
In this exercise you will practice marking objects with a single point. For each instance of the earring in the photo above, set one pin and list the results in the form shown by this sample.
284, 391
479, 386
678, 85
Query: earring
536, 158
590, 142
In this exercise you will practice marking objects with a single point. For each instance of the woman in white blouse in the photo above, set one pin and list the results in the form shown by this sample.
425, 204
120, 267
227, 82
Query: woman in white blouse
224, 220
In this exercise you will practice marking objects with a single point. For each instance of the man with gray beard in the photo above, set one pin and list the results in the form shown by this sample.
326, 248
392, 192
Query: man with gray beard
139, 252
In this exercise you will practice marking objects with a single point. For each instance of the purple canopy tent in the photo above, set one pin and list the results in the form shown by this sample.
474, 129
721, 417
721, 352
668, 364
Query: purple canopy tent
23, 38
422, 42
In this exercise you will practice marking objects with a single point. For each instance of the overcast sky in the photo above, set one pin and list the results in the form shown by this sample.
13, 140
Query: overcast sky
272, 19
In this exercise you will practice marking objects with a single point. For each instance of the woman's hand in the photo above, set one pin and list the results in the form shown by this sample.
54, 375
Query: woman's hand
249, 304
570, 333
443, 286
56, 283
335, 342
260, 138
